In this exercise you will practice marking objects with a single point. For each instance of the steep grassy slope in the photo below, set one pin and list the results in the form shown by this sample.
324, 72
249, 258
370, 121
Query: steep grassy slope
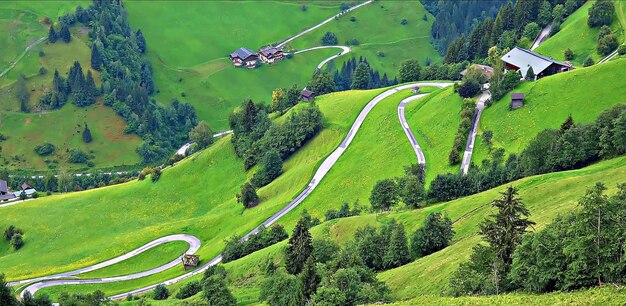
578, 36
425, 278
19, 21
197, 197
378, 28
584, 93
111, 146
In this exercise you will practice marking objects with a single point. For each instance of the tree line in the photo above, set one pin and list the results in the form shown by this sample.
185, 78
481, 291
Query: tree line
64, 181
578, 250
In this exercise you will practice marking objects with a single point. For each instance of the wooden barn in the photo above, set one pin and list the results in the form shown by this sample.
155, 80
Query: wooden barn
190, 261
521, 60
307, 95
517, 100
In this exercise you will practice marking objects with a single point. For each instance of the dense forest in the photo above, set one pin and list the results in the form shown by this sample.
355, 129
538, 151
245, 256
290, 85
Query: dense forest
454, 18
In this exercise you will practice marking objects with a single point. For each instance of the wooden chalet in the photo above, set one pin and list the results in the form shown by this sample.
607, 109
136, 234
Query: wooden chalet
307, 95
244, 57
521, 60
5, 195
271, 54
190, 261
517, 100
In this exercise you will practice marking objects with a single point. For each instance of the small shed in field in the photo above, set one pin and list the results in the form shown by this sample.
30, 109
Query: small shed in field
517, 100
190, 261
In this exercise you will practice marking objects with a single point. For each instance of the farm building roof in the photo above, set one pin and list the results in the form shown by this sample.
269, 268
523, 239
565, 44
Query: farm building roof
191, 260
4, 188
517, 96
243, 53
525, 59
307, 93
28, 192
270, 51
26, 186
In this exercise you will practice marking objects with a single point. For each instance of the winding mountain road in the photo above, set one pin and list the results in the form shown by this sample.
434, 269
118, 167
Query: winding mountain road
36, 284
15, 61
471, 138
292, 38
62, 278
344, 50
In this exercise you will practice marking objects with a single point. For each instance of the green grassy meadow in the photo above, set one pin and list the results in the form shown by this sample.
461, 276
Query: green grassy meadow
398, 42
197, 197
578, 36
434, 121
584, 93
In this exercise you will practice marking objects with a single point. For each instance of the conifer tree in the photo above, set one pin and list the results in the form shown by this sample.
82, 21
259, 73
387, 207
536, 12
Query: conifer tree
65, 33
397, 253
309, 279
96, 57
362, 78
52, 35
141, 41
530, 74
87, 134
90, 89
299, 249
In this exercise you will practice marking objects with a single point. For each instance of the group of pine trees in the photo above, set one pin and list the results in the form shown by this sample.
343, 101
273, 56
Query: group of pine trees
127, 83
508, 27
359, 75
80, 88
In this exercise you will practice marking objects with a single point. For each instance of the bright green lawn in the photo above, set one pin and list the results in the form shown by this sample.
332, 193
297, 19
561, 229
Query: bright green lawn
434, 121
197, 197
378, 28
584, 93
578, 36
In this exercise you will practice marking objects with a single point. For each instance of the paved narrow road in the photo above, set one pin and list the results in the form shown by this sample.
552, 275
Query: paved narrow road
407, 129
543, 35
15, 61
62, 278
327, 164
284, 42
344, 50
471, 138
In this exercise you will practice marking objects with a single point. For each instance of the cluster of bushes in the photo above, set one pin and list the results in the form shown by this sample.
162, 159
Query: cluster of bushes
607, 40
343, 212
235, 248
212, 285
572, 146
409, 189
45, 149
78, 156
465, 126
283, 99
576, 251
14, 236
329, 39
128, 81
601, 13
96, 298
154, 172
411, 71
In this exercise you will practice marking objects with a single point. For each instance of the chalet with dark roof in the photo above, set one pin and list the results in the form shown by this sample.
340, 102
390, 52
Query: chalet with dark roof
190, 261
26, 189
307, 95
517, 100
244, 57
5, 195
271, 54
521, 60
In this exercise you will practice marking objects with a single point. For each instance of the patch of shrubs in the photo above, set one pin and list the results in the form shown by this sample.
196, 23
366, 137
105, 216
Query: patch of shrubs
78, 157
45, 149
14, 236
189, 290
343, 212
467, 113
154, 172
160, 292
265, 237
404, 22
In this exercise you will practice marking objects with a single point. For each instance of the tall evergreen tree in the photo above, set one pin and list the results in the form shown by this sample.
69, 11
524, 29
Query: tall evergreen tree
141, 41
530, 74
409, 71
397, 253
87, 134
96, 57
216, 293
299, 248
23, 95
6, 294
65, 33
52, 35
309, 279
362, 78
